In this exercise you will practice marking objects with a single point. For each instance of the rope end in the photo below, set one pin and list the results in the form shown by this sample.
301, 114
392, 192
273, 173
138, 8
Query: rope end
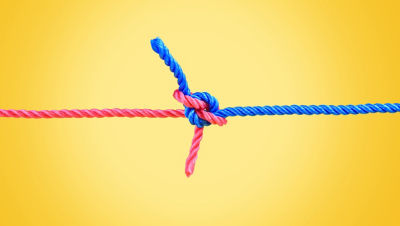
157, 44
191, 159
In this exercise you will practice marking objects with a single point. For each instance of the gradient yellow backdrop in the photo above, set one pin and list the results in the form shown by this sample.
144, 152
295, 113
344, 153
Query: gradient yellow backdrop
282, 170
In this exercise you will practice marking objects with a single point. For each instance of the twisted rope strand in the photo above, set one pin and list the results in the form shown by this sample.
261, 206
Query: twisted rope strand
201, 108
93, 113
192, 157
309, 110
159, 47
222, 113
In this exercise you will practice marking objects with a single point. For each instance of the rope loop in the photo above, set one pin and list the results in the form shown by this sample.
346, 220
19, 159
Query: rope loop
200, 108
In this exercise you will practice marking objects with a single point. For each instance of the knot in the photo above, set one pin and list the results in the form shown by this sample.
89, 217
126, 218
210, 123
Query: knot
200, 108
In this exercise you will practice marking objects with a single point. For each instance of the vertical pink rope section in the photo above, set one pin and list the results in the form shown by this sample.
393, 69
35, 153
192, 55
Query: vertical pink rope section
201, 110
194, 149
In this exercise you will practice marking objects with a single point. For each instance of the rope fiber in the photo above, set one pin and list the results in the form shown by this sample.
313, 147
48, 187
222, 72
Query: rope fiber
201, 108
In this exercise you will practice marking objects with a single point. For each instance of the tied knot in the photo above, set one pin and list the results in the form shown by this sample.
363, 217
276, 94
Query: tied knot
200, 108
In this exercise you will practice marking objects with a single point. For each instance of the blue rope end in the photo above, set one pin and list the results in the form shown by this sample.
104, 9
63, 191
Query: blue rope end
157, 44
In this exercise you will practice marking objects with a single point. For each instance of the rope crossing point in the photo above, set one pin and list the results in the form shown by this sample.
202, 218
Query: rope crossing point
201, 108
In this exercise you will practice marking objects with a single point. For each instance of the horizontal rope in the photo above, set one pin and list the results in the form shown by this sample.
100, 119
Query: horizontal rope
93, 113
309, 110
201, 108
226, 112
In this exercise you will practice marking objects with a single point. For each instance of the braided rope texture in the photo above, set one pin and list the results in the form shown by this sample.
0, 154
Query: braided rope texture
93, 113
201, 108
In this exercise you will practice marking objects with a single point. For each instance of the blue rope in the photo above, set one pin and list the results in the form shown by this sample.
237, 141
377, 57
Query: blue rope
159, 47
309, 110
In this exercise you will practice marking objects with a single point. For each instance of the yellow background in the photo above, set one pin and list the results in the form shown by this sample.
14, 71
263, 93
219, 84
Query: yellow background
282, 170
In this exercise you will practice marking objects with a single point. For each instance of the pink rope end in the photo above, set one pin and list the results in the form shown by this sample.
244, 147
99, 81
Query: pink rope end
191, 159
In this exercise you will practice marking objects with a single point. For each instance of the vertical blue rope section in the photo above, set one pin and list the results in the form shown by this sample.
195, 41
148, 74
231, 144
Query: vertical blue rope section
159, 47
309, 110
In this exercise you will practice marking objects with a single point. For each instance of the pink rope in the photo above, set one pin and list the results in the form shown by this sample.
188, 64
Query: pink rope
191, 159
93, 113
199, 106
